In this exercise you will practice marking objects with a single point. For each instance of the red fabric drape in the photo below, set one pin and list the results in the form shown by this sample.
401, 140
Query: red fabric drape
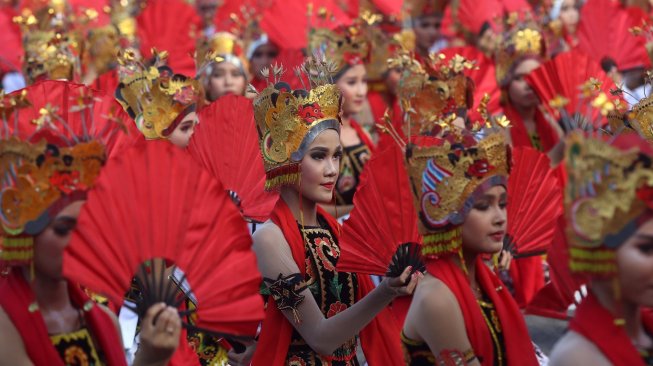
527, 277
518, 347
15, 298
365, 138
596, 323
519, 134
380, 339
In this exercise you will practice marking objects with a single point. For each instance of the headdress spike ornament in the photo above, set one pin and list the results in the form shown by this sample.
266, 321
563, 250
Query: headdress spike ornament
521, 38
289, 120
155, 97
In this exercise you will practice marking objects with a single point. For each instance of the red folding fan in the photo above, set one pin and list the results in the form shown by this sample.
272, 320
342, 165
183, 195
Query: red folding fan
535, 203
294, 34
154, 203
472, 14
555, 298
565, 76
10, 38
604, 31
226, 143
483, 75
383, 217
170, 25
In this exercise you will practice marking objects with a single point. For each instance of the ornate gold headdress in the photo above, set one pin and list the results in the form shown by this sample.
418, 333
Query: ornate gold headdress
430, 91
49, 55
156, 98
221, 47
289, 120
447, 167
344, 46
603, 197
519, 41
46, 162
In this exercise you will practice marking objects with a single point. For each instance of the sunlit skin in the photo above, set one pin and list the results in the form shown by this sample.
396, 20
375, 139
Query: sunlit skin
353, 85
262, 57
634, 277
159, 339
427, 32
226, 78
184, 131
433, 302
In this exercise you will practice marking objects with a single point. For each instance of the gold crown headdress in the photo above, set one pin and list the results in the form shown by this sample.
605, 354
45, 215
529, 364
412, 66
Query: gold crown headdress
289, 120
604, 196
347, 45
447, 167
638, 118
156, 98
387, 40
221, 47
49, 55
520, 40
47, 162
432, 90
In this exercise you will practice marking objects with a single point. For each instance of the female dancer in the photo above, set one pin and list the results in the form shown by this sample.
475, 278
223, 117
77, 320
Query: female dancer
44, 319
226, 73
315, 314
347, 50
614, 250
460, 313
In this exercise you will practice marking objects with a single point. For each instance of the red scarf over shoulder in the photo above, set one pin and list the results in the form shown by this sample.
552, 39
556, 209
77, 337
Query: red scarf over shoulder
519, 135
16, 297
380, 338
596, 323
365, 138
518, 347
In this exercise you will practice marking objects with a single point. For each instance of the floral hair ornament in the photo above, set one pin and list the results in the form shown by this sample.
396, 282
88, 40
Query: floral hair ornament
155, 97
289, 120
47, 161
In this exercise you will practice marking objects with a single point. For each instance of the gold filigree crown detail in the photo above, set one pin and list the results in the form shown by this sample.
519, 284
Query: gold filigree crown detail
288, 120
601, 197
155, 97
222, 46
520, 40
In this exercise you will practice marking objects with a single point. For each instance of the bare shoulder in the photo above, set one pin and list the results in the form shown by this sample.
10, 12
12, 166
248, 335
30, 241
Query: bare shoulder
11, 344
574, 349
434, 297
268, 235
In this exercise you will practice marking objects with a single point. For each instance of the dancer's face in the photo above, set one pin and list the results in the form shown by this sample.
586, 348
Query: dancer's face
569, 15
320, 167
353, 84
485, 225
427, 31
49, 245
521, 94
225, 79
262, 57
184, 131
635, 266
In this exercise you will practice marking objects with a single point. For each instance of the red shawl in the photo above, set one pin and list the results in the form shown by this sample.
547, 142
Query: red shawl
519, 134
380, 338
527, 277
365, 138
596, 323
15, 298
518, 347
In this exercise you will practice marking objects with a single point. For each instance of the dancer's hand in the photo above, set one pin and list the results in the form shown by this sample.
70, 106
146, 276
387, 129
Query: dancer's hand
160, 330
397, 286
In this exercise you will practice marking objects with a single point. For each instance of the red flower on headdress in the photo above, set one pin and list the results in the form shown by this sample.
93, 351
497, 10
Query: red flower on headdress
335, 308
66, 182
184, 96
352, 58
310, 112
480, 168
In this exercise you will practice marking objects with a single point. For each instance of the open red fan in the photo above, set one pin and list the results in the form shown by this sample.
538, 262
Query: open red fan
294, 34
10, 38
554, 299
226, 143
472, 14
170, 25
564, 76
483, 75
155, 202
535, 203
383, 217
604, 31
